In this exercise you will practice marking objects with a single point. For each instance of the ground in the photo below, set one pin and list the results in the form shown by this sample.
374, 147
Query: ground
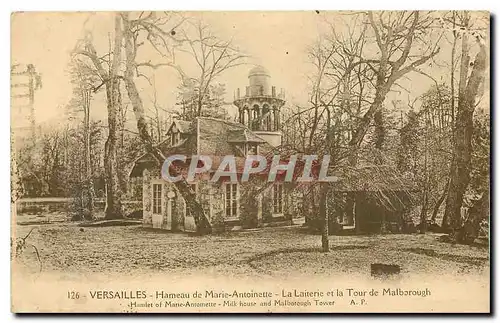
69, 248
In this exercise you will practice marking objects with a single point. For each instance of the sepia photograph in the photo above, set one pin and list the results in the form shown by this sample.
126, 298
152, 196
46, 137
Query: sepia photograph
250, 162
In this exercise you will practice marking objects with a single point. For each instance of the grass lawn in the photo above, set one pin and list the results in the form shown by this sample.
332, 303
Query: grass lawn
66, 247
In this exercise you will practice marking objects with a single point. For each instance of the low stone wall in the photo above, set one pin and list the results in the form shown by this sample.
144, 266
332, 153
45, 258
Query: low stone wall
44, 205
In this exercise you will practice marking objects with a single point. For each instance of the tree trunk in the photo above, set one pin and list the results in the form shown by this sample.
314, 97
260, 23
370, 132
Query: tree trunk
358, 136
378, 120
113, 207
202, 222
15, 183
452, 81
121, 151
480, 210
325, 246
439, 203
383, 223
382, 88
357, 214
89, 183
349, 208
425, 200
461, 163
423, 212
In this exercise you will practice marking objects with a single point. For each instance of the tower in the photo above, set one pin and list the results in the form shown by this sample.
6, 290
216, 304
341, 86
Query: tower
259, 108
24, 83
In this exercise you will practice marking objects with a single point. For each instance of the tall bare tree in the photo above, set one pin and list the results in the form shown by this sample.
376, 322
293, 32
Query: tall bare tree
110, 79
84, 80
153, 29
211, 57
398, 38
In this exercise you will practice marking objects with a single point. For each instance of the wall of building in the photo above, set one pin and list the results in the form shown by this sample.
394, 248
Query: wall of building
176, 221
146, 199
271, 137
250, 206
268, 215
255, 208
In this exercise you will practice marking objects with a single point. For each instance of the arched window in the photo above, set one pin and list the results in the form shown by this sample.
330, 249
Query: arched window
256, 111
266, 114
255, 118
276, 115
242, 116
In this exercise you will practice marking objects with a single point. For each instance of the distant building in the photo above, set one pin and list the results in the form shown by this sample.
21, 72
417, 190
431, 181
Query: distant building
24, 82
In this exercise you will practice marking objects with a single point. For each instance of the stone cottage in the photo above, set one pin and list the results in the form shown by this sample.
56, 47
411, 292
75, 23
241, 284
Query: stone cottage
228, 205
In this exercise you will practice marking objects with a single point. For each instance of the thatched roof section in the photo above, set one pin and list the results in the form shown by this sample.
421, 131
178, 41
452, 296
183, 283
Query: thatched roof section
383, 184
372, 178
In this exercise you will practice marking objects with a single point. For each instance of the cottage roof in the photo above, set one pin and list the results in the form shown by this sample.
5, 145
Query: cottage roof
218, 137
204, 136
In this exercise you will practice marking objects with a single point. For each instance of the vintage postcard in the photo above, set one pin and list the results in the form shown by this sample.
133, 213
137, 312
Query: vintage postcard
283, 162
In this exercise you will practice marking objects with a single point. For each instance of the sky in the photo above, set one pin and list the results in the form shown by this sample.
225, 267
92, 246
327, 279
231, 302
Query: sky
276, 40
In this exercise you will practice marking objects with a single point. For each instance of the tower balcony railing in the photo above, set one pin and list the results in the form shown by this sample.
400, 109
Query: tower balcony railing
280, 96
277, 95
